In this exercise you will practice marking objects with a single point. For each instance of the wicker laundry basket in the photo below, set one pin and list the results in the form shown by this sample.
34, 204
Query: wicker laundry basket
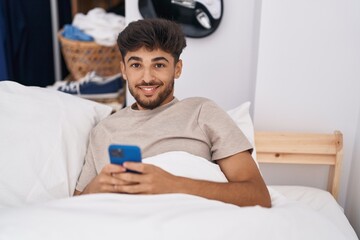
83, 57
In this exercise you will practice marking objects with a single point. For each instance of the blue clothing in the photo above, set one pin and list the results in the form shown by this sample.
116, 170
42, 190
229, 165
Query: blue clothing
74, 33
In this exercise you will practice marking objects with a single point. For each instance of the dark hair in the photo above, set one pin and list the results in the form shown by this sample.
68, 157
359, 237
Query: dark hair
154, 33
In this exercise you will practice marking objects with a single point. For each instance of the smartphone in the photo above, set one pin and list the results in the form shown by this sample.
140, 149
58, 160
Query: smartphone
124, 153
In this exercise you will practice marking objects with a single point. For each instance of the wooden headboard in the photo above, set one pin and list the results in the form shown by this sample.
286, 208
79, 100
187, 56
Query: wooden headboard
303, 148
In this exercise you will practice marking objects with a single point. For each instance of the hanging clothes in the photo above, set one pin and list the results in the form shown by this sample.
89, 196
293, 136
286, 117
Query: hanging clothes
13, 29
28, 41
3, 66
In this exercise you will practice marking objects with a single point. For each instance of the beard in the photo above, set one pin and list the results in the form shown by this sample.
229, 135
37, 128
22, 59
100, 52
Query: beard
148, 103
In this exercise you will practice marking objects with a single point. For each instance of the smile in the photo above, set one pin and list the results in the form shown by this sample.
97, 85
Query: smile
149, 90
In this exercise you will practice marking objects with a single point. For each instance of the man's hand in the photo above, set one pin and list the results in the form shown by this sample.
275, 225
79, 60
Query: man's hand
105, 180
150, 179
114, 179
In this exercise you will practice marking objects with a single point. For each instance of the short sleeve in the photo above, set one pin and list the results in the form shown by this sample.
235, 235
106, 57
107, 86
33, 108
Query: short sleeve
224, 135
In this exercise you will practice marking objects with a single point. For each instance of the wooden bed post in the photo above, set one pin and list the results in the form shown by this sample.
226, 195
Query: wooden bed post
335, 170
303, 148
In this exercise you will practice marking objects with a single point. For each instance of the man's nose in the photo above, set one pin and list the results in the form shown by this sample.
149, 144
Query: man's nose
148, 75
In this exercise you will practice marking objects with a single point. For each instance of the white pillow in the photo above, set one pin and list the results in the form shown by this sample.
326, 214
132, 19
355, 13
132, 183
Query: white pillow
44, 136
242, 118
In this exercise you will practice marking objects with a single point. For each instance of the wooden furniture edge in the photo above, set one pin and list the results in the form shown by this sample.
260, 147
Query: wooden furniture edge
303, 148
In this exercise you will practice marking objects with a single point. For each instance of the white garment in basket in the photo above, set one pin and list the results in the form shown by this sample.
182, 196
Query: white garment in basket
102, 26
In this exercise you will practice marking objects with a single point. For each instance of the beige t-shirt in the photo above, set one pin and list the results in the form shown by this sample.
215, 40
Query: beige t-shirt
194, 125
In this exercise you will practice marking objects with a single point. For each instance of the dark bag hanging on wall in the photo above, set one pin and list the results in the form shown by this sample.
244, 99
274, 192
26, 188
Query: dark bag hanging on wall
198, 18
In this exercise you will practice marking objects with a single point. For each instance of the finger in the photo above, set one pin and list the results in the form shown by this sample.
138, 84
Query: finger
105, 179
110, 188
130, 177
113, 168
133, 189
114, 188
119, 179
136, 166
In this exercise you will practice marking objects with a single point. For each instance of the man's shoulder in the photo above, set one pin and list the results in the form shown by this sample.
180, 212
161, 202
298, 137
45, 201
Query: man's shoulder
202, 102
110, 120
197, 100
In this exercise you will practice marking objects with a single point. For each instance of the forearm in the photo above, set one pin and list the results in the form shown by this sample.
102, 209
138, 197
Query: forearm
247, 193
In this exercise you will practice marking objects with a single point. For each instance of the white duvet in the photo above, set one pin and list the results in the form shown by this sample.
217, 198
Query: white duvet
169, 216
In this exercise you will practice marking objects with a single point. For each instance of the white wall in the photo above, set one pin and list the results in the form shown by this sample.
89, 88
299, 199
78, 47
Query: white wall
222, 65
353, 198
309, 71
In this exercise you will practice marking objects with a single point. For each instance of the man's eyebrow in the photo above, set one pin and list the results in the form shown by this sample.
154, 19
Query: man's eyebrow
134, 58
159, 59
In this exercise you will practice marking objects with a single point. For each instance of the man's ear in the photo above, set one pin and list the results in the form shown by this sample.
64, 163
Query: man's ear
122, 68
178, 68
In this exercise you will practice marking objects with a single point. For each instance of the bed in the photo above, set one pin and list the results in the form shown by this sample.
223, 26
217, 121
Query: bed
44, 135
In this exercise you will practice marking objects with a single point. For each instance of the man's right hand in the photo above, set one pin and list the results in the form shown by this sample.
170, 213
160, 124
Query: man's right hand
105, 182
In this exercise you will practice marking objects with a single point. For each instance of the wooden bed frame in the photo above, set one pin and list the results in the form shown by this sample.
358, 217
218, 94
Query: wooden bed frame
303, 148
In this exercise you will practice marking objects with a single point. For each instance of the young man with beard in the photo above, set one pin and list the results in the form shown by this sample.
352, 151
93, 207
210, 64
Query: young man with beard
158, 122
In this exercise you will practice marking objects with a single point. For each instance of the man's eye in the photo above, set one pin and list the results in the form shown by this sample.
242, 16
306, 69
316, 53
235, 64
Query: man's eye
159, 65
135, 65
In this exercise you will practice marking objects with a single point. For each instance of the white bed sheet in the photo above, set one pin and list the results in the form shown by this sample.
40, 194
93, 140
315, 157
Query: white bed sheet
321, 201
179, 216
168, 216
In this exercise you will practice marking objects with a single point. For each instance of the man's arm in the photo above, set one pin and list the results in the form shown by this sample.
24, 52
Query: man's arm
245, 180
246, 186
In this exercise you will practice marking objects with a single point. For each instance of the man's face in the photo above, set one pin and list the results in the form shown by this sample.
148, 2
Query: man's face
150, 76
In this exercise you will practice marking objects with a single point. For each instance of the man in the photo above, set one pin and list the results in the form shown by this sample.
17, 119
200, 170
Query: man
158, 122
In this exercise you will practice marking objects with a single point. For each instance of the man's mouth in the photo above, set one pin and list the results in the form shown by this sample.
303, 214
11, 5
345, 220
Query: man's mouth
149, 90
